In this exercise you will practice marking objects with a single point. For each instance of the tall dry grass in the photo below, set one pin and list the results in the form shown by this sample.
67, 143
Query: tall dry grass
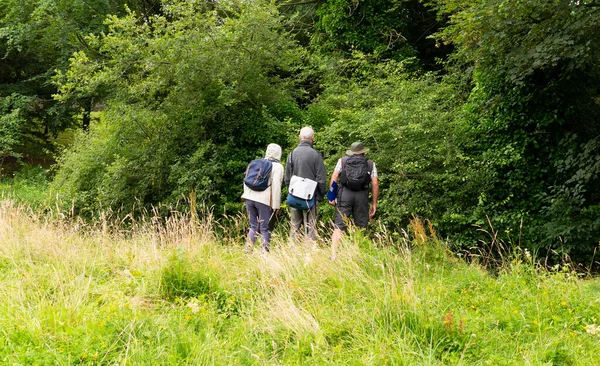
183, 291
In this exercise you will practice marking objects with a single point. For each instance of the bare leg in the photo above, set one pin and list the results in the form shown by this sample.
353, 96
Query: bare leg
335, 241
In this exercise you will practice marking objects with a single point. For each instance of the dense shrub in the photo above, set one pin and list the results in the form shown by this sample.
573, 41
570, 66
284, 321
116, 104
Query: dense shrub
414, 130
534, 114
191, 96
506, 136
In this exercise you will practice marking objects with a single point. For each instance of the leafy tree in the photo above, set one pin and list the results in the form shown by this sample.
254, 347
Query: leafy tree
395, 29
535, 113
11, 115
37, 37
191, 96
413, 127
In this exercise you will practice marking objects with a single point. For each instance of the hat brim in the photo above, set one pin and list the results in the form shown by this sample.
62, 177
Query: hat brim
350, 152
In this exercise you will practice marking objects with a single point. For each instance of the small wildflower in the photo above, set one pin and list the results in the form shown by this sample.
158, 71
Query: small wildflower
194, 306
447, 320
593, 329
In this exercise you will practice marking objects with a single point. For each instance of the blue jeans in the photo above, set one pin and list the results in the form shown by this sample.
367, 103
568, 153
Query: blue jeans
259, 215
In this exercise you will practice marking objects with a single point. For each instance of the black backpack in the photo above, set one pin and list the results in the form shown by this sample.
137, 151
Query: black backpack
356, 172
258, 174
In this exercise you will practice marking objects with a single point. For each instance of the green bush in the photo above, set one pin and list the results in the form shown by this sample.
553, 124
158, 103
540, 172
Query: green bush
415, 133
190, 100
534, 117
28, 186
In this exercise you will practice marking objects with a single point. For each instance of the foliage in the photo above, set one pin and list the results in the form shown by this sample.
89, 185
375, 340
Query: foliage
414, 131
192, 96
534, 115
75, 294
387, 29
28, 186
37, 37
11, 121
526, 41
188, 92
369, 26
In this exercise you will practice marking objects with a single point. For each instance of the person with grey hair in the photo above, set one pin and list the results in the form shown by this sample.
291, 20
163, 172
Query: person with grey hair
306, 162
262, 205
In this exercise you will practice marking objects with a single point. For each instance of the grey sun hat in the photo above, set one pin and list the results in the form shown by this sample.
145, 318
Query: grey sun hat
356, 148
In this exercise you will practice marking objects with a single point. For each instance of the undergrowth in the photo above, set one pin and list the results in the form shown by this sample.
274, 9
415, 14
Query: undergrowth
179, 293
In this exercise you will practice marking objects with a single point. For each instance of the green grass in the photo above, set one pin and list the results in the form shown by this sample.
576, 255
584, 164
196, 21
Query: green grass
28, 186
78, 294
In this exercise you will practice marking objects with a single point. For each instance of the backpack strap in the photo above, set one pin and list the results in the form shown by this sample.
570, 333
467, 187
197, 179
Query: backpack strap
344, 160
369, 164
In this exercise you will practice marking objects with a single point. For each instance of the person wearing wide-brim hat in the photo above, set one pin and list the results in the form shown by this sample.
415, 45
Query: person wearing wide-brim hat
353, 175
357, 148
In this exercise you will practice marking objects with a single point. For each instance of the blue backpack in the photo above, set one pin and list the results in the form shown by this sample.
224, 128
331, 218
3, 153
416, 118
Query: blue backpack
258, 174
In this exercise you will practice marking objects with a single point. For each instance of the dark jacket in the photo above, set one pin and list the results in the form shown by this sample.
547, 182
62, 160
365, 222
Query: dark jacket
308, 163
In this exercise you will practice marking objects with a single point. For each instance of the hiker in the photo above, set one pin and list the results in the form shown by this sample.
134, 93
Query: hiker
262, 192
352, 175
306, 163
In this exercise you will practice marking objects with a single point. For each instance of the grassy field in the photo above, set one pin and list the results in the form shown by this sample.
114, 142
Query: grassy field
74, 293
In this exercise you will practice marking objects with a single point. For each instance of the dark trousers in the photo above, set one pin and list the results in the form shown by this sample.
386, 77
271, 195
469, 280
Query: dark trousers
352, 203
259, 215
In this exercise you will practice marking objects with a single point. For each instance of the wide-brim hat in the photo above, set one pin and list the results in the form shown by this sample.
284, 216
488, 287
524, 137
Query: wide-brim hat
356, 148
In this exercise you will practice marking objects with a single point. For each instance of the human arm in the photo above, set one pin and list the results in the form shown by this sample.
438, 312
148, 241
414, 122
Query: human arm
334, 178
321, 178
374, 196
277, 179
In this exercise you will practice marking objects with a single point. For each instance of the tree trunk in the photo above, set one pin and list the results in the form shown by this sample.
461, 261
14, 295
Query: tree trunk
87, 113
